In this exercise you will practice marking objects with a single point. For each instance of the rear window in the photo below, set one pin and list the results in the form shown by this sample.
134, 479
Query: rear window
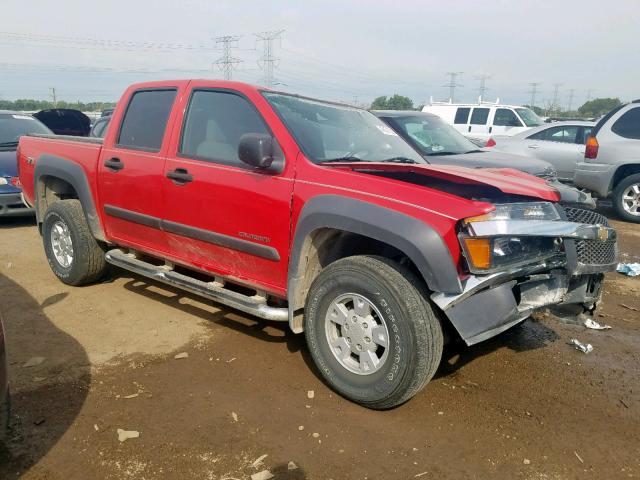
628, 125
462, 116
604, 120
145, 120
479, 116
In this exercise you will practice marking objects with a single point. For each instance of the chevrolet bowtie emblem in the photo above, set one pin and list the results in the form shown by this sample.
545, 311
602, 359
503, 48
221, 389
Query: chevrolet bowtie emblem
603, 234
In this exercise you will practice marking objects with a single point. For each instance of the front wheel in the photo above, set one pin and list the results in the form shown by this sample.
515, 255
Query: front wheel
626, 198
371, 331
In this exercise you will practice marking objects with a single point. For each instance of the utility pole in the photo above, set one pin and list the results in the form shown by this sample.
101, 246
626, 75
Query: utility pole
589, 92
482, 89
571, 92
53, 96
268, 61
556, 89
227, 62
452, 84
533, 92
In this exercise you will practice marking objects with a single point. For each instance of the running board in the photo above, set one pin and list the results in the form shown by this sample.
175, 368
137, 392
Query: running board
255, 305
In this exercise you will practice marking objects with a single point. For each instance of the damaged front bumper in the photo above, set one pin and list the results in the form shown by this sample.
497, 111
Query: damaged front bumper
492, 303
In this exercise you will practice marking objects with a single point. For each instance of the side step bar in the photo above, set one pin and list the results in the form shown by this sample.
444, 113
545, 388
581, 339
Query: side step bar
256, 305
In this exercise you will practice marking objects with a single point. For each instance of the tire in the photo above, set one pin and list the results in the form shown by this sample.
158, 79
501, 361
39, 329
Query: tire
5, 416
395, 298
624, 212
85, 262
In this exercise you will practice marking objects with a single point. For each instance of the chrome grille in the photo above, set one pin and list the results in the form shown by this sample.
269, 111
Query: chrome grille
591, 253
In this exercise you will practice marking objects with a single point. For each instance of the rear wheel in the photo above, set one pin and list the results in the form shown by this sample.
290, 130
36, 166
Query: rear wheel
371, 331
73, 253
626, 198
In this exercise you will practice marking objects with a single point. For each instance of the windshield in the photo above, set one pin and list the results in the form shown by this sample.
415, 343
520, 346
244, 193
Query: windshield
431, 136
529, 117
13, 126
326, 132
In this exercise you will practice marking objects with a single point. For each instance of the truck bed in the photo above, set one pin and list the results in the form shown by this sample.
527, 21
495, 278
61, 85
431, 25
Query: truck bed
82, 151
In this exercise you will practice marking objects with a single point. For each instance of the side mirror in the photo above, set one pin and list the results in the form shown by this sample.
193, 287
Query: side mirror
261, 151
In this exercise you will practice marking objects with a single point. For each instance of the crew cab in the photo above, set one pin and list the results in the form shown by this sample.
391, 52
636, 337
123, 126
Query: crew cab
317, 214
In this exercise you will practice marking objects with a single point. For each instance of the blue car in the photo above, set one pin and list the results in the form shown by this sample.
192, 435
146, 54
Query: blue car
12, 126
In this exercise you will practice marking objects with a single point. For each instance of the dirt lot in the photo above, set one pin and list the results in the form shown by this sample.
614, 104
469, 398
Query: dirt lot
523, 405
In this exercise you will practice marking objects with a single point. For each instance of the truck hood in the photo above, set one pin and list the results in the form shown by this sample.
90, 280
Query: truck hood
461, 181
493, 159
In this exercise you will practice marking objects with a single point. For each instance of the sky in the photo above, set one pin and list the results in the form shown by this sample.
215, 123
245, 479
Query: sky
348, 50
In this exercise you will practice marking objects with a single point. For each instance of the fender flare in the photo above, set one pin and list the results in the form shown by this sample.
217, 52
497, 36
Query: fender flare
72, 173
419, 241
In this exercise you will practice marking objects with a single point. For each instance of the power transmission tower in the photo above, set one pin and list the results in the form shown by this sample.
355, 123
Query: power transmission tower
452, 84
227, 62
53, 96
533, 92
589, 92
571, 92
482, 89
268, 61
556, 89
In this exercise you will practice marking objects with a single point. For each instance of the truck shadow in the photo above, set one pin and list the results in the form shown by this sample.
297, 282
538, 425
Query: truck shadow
529, 335
264, 330
47, 398
17, 222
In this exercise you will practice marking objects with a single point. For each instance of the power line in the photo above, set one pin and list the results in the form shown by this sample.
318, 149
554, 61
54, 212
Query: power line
268, 61
452, 84
227, 62
533, 92
482, 89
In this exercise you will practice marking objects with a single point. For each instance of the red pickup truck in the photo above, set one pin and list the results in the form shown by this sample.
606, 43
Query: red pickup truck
315, 213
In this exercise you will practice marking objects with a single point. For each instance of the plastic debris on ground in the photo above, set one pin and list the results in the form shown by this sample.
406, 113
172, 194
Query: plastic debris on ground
629, 269
583, 347
591, 323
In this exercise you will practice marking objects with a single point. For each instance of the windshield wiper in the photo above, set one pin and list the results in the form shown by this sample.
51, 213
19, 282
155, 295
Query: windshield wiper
8, 144
399, 160
347, 158
437, 154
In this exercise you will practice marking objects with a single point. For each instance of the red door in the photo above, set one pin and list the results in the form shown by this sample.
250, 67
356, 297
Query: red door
130, 170
222, 215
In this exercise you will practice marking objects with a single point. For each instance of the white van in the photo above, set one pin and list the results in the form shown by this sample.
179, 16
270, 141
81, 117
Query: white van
482, 120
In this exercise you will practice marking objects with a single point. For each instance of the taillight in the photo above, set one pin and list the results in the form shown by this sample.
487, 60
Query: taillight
490, 143
15, 181
591, 150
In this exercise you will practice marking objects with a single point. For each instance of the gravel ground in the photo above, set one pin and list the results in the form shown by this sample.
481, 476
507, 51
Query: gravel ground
522, 405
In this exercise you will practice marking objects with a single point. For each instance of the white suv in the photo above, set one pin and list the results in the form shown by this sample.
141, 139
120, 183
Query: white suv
611, 166
482, 120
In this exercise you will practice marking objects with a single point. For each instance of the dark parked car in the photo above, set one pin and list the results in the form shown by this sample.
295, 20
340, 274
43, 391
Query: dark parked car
12, 126
65, 121
441, 144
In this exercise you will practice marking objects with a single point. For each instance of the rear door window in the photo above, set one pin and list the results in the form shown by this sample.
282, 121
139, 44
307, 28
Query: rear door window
628, 125
145, 120
505, 117
479, 116
462, 116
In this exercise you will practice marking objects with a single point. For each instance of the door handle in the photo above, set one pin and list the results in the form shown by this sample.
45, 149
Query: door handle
469, 128
490, 129
114, 164
534, 146
180, 176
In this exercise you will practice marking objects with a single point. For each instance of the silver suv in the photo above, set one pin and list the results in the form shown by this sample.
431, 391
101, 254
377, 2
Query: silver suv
611, 166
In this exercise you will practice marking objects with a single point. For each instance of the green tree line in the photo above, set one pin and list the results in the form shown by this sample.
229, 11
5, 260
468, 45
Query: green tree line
31, 105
